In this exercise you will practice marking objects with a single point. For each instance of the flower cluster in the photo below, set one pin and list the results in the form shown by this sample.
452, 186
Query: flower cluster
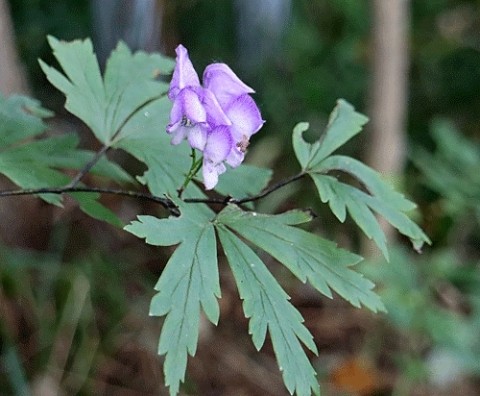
217, 118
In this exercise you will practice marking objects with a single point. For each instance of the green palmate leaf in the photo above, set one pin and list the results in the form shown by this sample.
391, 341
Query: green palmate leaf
306, 255
106, 106
190, 280
35, 165
344, 123
267, 306
317, 160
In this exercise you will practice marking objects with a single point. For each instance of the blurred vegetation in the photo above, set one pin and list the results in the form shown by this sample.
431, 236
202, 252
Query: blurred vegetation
90, 302
33, 20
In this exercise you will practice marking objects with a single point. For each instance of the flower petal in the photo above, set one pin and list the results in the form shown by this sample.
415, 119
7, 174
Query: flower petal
192, 106
178, 134
184, 74
219, 144
245, 117
235, 157
215, 114
210, 173
197, 137
176, 114
224, 83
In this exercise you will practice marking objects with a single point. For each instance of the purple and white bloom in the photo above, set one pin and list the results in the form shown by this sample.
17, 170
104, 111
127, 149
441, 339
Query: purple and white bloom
217, 118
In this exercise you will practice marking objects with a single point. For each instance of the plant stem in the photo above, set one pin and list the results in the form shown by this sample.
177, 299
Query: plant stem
194, 168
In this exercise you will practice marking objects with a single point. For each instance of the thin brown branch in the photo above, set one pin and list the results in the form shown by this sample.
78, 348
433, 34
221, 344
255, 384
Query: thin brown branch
263, 194
165, 202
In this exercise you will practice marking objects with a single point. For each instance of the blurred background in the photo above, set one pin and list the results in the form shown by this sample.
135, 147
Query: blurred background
74, 293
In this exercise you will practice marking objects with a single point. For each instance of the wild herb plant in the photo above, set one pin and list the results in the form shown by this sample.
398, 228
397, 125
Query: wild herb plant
130, 108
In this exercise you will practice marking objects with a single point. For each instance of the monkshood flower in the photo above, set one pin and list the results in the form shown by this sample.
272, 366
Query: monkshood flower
217, 118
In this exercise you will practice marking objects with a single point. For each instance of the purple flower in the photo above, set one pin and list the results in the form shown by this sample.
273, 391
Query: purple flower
218, 119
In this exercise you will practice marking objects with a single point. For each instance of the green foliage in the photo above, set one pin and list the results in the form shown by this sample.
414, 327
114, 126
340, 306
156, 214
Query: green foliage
325, 55
190, 280
128, 109
434, 299
306, 255
344, 123
30, 162
244, 181
316, 160
454, 156
416, 293
21, 118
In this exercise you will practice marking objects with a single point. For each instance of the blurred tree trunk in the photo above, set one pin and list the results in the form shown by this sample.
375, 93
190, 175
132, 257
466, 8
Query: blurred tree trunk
137, 23
260, 29
387, 142
12, 76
